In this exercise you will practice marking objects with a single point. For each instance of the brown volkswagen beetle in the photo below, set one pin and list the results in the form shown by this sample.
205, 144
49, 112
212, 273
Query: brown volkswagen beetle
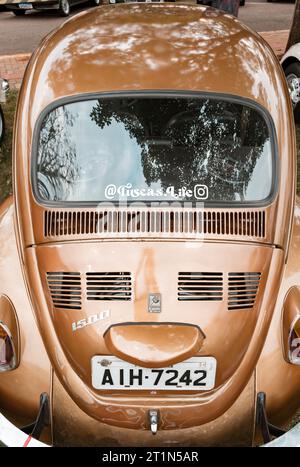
149, 266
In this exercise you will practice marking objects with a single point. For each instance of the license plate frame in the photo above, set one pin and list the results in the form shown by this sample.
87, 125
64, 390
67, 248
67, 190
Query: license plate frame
140, 378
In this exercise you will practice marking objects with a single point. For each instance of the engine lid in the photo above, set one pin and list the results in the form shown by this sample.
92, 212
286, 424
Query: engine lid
81, 290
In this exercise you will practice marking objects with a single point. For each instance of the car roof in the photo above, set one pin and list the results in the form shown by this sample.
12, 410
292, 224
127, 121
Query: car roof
130, 47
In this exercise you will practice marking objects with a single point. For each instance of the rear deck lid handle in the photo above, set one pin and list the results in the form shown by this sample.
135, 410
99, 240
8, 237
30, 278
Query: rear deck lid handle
154, 345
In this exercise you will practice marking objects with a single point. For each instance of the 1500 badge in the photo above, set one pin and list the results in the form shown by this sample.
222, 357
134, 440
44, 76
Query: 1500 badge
93, 319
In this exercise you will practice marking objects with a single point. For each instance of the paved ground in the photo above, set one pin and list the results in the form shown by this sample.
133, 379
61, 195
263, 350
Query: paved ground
12, 68
263, 16
23, 34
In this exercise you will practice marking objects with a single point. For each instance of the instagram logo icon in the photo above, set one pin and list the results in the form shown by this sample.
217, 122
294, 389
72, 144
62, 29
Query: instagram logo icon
200, 192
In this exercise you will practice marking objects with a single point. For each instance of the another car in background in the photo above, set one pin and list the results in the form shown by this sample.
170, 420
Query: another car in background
140, 1
214, 3
63, 6
291, 65
3, 90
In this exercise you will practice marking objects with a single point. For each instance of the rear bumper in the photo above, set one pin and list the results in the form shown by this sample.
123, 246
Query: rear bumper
11, 436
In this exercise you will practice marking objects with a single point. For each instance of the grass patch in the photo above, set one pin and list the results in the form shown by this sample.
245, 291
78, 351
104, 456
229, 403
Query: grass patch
6, 145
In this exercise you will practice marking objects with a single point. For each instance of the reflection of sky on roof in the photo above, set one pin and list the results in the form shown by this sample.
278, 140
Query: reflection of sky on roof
154, 46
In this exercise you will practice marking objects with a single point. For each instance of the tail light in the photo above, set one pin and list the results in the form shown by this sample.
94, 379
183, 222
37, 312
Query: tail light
291, 326
294, 342
7, 350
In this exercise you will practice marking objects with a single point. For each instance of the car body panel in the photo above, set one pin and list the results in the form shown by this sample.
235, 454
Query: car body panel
34, 369
284, 402
234, 428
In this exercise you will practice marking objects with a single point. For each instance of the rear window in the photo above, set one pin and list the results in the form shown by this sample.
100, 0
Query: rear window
154, 149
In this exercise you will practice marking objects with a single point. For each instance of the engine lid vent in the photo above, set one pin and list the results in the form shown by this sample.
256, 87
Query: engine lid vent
108, 286
242, 289
65, 289
147, 222
201, 286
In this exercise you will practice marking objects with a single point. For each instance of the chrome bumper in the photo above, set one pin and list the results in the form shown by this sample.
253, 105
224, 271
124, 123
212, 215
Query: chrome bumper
11, 436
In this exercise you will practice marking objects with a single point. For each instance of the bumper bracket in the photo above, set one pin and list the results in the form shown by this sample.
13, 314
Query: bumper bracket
43, 418
267, 429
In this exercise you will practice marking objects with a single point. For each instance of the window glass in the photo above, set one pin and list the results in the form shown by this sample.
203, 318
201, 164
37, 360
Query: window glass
154, 149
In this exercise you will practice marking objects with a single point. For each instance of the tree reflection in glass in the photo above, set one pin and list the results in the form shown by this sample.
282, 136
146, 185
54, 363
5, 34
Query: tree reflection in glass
155, 143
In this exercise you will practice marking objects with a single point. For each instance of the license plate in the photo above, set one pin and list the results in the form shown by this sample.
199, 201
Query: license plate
25, 6
197, 373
